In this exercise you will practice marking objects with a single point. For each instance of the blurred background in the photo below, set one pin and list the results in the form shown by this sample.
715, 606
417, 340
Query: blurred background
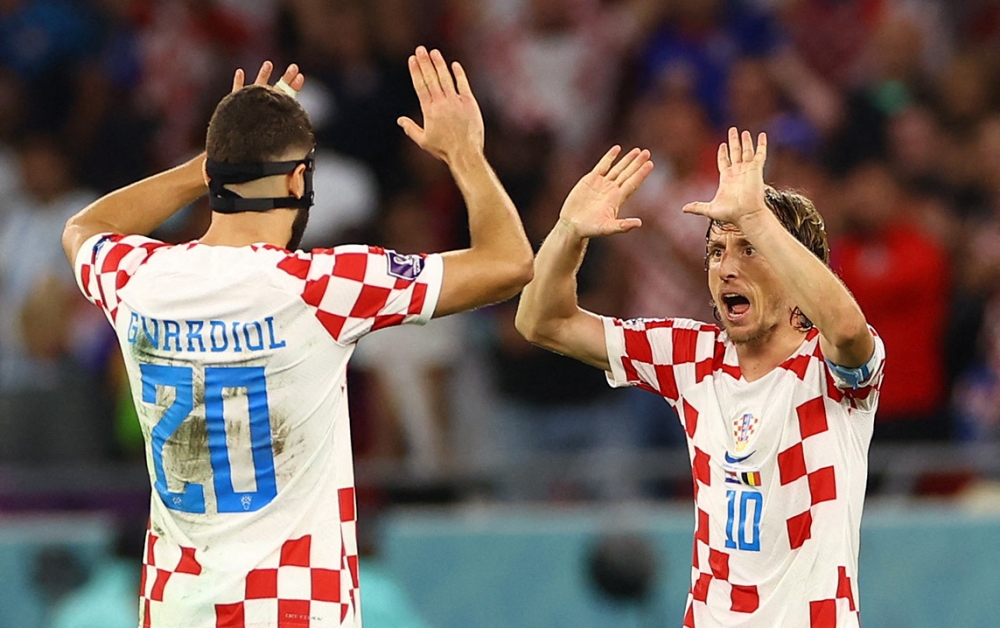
500, 485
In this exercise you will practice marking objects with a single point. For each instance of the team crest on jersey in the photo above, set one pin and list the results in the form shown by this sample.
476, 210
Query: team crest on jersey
743, 428
404, 266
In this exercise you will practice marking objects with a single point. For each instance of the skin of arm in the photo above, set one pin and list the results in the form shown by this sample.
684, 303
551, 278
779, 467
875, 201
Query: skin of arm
159, 196
499, 260
548, 314
844, 335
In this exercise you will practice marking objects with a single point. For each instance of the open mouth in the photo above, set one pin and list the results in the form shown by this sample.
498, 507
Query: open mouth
736, 305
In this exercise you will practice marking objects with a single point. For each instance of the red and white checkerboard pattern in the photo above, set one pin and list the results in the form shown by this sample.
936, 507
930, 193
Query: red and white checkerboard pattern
809, 447
108, 264
351, 293
293, 562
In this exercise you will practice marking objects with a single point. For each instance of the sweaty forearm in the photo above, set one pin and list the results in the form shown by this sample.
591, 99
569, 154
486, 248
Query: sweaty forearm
817, 291
145, 205
551, 297
495, 229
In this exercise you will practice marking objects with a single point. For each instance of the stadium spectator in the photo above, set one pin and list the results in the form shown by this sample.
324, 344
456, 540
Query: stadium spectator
793, 361
257, 326
38, 328
902, 279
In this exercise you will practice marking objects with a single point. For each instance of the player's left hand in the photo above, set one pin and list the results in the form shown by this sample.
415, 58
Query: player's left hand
292, 77
741, 180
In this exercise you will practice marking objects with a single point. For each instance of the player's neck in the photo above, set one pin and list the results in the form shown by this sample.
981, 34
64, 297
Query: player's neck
247, 228
759, 357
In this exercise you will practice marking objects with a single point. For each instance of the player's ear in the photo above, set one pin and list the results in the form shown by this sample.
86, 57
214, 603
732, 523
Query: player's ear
296, 181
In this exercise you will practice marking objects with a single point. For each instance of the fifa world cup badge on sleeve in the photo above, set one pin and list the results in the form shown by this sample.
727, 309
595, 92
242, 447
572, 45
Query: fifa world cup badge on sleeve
404, 266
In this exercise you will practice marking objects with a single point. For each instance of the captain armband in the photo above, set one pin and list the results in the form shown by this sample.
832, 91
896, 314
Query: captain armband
854, 376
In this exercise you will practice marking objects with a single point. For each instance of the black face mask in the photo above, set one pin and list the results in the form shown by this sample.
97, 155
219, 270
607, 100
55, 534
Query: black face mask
221, 174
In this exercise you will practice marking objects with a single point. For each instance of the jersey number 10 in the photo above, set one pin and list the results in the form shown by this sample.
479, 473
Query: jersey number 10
743, 520
217, 380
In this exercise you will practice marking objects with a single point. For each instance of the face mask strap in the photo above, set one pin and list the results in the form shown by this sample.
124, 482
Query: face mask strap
225, 201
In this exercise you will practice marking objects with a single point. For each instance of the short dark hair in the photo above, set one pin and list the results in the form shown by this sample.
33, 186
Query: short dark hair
257, 124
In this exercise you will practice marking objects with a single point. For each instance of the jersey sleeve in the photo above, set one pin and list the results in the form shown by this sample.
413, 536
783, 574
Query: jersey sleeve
105, 264
665, 356
355, 289
860, 386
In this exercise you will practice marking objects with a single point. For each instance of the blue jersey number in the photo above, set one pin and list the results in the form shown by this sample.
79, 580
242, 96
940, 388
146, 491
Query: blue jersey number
217, 380
743, 521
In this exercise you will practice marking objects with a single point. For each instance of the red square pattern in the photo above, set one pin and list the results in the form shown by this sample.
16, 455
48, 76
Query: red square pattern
188, 563
799, 529
702, 533
262, 584
690, 418
370, 302
744, 598
823, 485
685, 344
637, 346
823, 614
700, 467
689, 618
700, 591
791, 464
667, 381
719, 562
293, 613
844, 589
295, 552
325, 585
229, 615
346, 497
812, 417
350, 266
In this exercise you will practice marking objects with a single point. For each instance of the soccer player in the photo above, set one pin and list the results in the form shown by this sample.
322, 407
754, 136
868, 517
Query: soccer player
777, 401
237, 346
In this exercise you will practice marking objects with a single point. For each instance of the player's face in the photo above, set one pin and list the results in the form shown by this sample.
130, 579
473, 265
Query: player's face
750, 299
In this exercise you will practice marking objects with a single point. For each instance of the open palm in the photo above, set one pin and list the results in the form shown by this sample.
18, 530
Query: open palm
594, 202
741, 180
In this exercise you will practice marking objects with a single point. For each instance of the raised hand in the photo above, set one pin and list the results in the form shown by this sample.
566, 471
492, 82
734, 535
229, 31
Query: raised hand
453, 124
292, 77
741, 180
592, 207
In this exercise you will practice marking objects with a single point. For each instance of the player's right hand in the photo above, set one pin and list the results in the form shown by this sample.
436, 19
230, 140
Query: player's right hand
592, 207
453, 124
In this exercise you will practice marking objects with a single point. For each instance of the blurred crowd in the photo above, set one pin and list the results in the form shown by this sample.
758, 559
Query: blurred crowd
885, 112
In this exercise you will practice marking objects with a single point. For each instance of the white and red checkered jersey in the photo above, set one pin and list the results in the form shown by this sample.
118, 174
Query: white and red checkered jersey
237, 358
779, 466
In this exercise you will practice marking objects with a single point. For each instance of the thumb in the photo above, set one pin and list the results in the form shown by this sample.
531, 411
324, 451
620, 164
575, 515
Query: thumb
412, 130
627, 224
702, 209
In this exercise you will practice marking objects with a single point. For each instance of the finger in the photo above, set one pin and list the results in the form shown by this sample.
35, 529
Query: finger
735, 154
412, 130
443, 74
298, 82
634, 182
461, 79
747, 141
290, 73
627, 224
632, 168
423, 94
264, 74
699, 208
623, 163
761, 155
429, 73
723, 157
604, 164
238, 79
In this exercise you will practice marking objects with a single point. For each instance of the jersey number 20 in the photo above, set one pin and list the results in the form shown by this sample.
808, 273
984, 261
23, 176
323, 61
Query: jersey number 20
217, 380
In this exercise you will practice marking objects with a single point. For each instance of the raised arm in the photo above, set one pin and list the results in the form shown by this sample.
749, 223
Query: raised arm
818, 292
143, 206
548, 314
498, 263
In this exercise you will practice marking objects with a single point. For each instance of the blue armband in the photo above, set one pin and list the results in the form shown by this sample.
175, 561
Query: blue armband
856, 375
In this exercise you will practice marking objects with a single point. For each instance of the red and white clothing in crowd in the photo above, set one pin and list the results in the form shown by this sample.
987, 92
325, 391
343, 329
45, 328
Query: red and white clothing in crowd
237, 359
779, 467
